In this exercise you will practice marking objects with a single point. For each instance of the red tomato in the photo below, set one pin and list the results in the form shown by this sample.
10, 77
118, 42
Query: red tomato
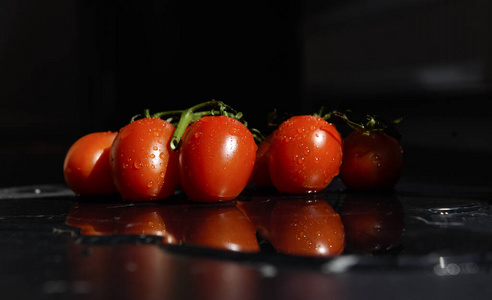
371, 161
260, 176
216, 159
305, 155
86, 167
144, 167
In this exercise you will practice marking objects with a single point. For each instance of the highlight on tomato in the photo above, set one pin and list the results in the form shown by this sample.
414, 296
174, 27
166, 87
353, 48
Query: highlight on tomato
305, 155
372, 158
144, 168
216, 152
86, 168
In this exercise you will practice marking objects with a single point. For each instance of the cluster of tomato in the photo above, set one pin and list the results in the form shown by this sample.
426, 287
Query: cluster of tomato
212, 156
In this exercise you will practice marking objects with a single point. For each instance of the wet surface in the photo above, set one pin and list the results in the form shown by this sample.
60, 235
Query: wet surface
53, 243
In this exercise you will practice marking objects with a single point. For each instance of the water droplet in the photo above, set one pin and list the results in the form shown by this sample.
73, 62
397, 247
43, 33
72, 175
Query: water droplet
151, 224
162, 155
156, 133
300, 160
152, 155
159, 141
150, 183
162, 175
300, 129
152, 166
197, 134
125, 166
137, 165
306, 151
233, 131
155, 148
312, 128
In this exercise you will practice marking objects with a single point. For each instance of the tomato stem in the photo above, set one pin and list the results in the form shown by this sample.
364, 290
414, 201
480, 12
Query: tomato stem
183, 123
372, 124
194, 113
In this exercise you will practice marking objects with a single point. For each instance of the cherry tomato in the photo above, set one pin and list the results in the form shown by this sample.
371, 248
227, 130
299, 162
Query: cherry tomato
216, 159
261, 177
371, 161
305, 155
144, 167
86, 167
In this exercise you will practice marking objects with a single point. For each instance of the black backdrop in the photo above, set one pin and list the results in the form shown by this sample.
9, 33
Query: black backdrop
71, 67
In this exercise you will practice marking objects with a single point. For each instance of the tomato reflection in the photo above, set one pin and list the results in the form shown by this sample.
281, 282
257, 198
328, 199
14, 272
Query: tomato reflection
307, 226
222, 227
373, 222
303, 227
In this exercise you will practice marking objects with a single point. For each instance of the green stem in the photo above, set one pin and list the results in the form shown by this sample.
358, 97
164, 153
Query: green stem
167, 114
184, 121
194, 113
351, 124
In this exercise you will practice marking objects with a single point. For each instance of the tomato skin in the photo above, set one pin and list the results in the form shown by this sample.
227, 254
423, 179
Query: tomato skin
371, 161
86, 167
305, 155
216, 159
144, 167
261, 176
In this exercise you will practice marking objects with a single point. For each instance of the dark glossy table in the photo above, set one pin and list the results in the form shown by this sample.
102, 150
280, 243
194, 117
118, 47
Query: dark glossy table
444, 252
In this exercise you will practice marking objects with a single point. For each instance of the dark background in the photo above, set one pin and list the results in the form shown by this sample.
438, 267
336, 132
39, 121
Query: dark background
68, 68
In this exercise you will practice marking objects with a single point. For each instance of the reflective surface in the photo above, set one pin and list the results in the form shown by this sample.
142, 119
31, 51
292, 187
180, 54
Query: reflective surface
428, 238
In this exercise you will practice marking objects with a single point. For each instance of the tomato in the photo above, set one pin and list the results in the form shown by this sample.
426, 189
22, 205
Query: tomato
261, 177
86, 167
144, 168
372, 222
305, 155
371, 161
216, 159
